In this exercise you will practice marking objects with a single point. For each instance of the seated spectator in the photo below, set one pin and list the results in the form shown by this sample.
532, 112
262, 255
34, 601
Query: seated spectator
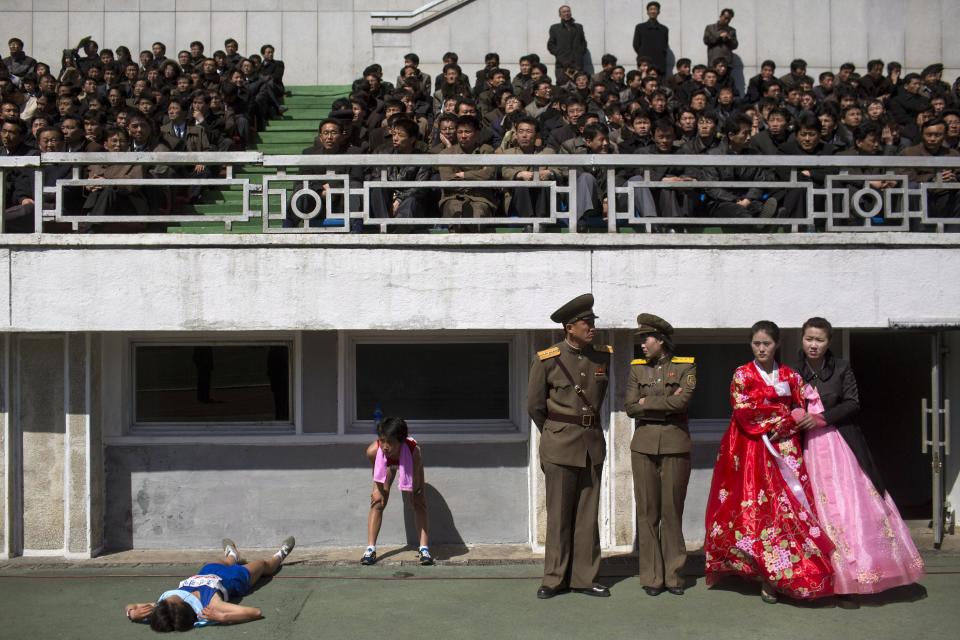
941, 203
951, 117
636, 133
404, 202
542, 97
664, 202
49, 140
94, 125
505, 119
755, 86
12, 135
446, 133
686, 127
706, 137
465, 202
829, 131
453, 86
805, 142
522, 82
592, 198
907, 101
797, 75
18, 63
528, 201
332, 140
573, 108
746, 202
115, 199
412, 61
74, 136
769, 140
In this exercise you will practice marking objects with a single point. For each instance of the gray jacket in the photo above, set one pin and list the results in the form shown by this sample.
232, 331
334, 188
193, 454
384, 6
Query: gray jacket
718, 47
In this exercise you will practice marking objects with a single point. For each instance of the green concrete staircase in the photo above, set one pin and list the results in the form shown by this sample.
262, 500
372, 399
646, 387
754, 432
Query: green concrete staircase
288, 134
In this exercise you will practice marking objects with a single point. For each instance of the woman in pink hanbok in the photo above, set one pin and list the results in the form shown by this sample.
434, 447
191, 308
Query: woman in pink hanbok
873, 548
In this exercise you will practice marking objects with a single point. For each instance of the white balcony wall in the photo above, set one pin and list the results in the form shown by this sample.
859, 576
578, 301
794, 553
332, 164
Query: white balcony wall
159, 283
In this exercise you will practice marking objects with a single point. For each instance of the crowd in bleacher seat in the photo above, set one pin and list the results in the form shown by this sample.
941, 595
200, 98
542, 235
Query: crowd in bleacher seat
201, 103
105, 100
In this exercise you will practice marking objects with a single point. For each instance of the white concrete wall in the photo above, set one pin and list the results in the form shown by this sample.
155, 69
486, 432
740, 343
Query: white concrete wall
330, 41
159, 283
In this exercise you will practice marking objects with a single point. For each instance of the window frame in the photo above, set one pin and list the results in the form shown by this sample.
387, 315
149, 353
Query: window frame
711, 429
518, 422
293, 426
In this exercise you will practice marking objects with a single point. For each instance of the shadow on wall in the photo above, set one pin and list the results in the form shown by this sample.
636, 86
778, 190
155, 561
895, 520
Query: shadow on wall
443, 530
736, 71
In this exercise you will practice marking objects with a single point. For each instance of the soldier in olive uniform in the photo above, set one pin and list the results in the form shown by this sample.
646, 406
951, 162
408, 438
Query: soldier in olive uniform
658, 394
567, 386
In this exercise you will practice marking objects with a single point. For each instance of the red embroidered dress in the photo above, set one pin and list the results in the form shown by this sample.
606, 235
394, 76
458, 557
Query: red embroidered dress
759, 524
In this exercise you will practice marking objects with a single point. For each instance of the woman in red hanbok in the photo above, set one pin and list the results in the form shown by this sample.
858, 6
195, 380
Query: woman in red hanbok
760, 523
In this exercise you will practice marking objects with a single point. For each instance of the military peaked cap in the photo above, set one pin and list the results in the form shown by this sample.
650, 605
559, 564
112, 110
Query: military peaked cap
580, 308
649, 323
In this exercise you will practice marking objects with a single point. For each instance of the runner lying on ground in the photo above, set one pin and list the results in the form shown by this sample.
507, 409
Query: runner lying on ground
205, 598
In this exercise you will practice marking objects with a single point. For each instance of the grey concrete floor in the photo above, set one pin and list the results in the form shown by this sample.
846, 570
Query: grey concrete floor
485, 598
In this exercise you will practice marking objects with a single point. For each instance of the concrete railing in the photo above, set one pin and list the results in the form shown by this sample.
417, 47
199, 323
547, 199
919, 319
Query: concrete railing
325, 193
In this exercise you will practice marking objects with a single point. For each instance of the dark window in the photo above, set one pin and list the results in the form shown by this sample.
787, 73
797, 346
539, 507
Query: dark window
433, 381
715, 366
212, 383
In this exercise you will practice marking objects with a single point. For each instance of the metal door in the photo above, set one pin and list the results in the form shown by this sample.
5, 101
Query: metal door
935, 433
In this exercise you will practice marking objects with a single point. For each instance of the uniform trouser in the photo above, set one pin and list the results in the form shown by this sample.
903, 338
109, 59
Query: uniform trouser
660, 487
572, 548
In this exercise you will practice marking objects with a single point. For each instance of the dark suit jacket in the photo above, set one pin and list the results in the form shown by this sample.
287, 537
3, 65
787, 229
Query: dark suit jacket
652, 40
567, 44
841, 403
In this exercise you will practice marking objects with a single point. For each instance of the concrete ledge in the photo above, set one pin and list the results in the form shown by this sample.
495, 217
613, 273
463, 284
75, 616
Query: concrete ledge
450, 555
592, 241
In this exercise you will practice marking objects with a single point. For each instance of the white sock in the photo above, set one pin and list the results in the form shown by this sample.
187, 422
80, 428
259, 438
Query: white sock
232, 553
372, 547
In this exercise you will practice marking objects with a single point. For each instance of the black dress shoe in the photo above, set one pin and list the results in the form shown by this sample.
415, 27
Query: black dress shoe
545, 593
677, 591
653, 591
597, 590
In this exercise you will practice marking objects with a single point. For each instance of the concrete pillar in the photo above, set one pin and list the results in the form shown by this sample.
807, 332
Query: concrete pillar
97, 481
41, 422
7, 455
623, 517
79, 446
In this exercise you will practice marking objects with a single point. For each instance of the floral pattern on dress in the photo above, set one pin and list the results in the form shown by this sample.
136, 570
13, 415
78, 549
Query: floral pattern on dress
770, 535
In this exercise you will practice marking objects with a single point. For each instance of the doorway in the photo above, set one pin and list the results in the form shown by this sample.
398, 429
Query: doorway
893, 375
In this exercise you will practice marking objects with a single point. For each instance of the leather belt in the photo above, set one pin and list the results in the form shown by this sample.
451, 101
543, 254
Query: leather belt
586, 421
671, 417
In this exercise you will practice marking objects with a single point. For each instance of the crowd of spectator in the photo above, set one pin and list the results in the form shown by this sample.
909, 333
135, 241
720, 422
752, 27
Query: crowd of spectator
652, 110
105, 100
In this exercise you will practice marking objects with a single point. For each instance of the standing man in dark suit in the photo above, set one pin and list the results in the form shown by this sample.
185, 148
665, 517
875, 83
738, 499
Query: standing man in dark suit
567, 44
567, 385
658, 395
651, 40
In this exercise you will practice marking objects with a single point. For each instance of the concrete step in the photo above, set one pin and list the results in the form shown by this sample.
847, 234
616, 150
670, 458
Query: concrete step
334, 90
292, 148
293, 125
280, 137
306, 113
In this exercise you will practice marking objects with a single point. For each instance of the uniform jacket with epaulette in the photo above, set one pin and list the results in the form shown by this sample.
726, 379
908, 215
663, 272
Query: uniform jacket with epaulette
550, 392
666, 385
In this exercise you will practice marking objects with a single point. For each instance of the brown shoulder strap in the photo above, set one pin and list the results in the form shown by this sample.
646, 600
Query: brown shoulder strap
577, 388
